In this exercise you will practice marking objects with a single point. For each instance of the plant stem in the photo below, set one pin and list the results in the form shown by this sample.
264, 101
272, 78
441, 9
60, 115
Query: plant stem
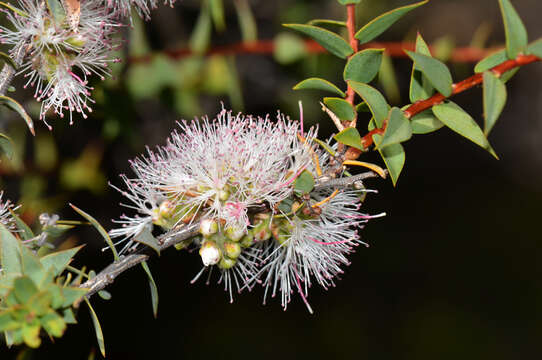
351, 27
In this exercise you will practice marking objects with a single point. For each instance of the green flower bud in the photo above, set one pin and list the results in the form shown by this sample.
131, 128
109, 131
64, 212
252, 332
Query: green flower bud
232, 249
234, 234
226, 263
247, 240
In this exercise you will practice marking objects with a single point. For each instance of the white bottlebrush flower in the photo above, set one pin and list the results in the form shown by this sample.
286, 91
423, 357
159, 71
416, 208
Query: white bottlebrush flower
313, 248
6, 218
143, 8
61, 54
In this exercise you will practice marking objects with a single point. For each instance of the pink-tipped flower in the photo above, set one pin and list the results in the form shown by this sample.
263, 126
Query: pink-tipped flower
6, 219
123, 8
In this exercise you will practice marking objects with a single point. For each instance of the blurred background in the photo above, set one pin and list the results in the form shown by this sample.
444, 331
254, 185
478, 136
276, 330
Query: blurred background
452, 272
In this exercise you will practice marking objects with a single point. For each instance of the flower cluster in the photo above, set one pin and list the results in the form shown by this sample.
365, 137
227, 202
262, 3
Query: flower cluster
244, 180
6, 218
62, 46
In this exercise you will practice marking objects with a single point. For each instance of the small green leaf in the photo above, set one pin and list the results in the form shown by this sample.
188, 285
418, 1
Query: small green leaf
23, 289
7, 322
508, 75
15, 106
59, 260
420, 87
10, 253
104, 294
462, 123
374, 99
217, 13
340, 107
8, 60
145, 237
394, 158
57, 11
31, 335
318, 84
153, 288
380, 24
491, 61
72, 294
397, 130
425, 122
68, 316
247, 23
54, 324
201, 35
329, 40
31, 265
316, 22
535, 48
97, 328
40, 303
288, 48
348, 2
325, 146
7, 146
349, 136
304, 183
436, 72
494, 100
516, 35
24, 230
100, 229
363, 65
387, 79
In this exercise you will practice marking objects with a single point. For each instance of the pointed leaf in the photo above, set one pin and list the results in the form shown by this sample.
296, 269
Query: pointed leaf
494, 100
327, 22
318, 84
436, 72
59, 260
8, 60
7, 146
462, 123
340, 107
68, 316
491, 61
145, 237
72, 294
380, 24
97, 328
349, 136
394, 158
329, 40
54, 324
153, 287
247, 22
24, 230
15, 106
420, 87
363, 65
10, 256
397, 130
23, 289
31, 265
7, 322
100, 229
304, 183
508, 75
374, 99
516, 35
217, 13
425, 122
535, 48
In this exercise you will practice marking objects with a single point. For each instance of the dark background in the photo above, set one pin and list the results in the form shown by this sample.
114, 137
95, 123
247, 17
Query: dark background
452, 272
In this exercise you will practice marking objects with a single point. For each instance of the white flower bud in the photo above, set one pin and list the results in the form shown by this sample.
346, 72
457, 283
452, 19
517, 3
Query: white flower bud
208, 227
210, 253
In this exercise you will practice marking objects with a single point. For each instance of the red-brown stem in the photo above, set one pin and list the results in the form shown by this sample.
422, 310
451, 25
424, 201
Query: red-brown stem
351, 28
457, 88
265, 47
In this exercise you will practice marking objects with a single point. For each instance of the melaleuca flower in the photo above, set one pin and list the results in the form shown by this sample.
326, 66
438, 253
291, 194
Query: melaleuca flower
6, 218
61, 53
143, 7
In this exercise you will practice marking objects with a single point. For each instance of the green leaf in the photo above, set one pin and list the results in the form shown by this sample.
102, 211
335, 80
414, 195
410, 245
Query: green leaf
316, 22
387, 79
374, 99
31, 335
40, 303
57, 299
535, 48
217, 13
153, 288
10, 256
247, 23
348, 2
104, 294
397, 130
436, 72
425, 122
318, 84
145, 237
288, 48
362, 107
516, 35
380, 24
394, 158
8, 60
15, 106
201, 35
494, 100
508, 75
23, 289
329, 40
462, 123
72, 294
97, 328
349, 136
57, 11
420, 87
491, 61
7, 322
7, 146
59, 260
304, 183
14, 9
31, 265
24, 230
100, 229
54, 324
68, 316
340, 107
363, 65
